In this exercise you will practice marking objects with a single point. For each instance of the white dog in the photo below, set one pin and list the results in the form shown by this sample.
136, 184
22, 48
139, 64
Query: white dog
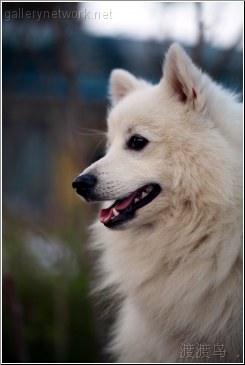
170, 232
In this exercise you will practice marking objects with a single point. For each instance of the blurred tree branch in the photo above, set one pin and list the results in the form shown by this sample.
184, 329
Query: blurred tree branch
198, 48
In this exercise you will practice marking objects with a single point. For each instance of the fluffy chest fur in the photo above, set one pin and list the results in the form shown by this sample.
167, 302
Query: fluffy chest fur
183, 285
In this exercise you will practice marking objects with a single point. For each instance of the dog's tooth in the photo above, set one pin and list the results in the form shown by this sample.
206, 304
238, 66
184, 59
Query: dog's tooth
115, 212
144, 194
136, 200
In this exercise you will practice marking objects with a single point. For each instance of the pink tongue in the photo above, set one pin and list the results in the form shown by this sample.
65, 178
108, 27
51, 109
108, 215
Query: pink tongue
126, 202
107, 214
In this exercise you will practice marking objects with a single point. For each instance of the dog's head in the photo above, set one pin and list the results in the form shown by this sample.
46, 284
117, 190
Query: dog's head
165, 148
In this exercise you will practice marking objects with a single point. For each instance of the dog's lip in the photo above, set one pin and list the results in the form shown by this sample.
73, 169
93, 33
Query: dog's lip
124, 209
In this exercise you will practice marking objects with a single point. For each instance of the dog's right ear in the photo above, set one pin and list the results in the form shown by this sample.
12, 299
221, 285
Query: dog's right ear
182, 78
122, 83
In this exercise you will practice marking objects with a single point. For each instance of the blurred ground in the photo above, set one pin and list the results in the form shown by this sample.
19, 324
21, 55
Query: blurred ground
54, 103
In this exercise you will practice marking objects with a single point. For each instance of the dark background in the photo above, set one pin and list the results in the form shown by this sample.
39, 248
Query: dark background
55, 78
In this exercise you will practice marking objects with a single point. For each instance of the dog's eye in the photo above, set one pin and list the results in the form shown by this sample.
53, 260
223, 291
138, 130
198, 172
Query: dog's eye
137, 142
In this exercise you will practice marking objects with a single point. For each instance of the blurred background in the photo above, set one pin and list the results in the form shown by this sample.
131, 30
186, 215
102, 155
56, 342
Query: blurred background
56, 60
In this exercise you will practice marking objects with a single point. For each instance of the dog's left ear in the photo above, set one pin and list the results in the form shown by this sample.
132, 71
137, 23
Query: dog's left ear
182, 78
122, 83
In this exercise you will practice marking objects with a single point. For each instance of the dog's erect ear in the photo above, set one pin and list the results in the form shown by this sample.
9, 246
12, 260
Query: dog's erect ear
122, 83
181, 76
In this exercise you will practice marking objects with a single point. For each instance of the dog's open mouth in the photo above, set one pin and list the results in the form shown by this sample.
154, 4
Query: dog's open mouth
124, 209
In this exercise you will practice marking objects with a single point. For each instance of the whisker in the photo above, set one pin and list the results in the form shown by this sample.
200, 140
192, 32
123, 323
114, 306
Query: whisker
96, 148
90, 132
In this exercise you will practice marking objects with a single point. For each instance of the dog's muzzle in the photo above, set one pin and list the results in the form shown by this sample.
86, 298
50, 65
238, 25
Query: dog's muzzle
84, 185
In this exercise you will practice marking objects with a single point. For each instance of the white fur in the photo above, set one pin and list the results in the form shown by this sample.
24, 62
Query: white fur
178, 264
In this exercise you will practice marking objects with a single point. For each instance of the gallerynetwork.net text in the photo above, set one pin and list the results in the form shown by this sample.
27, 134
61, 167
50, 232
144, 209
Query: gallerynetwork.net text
38, 15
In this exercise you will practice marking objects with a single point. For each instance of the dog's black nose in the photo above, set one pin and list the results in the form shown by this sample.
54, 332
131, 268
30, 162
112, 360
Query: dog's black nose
84, 182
